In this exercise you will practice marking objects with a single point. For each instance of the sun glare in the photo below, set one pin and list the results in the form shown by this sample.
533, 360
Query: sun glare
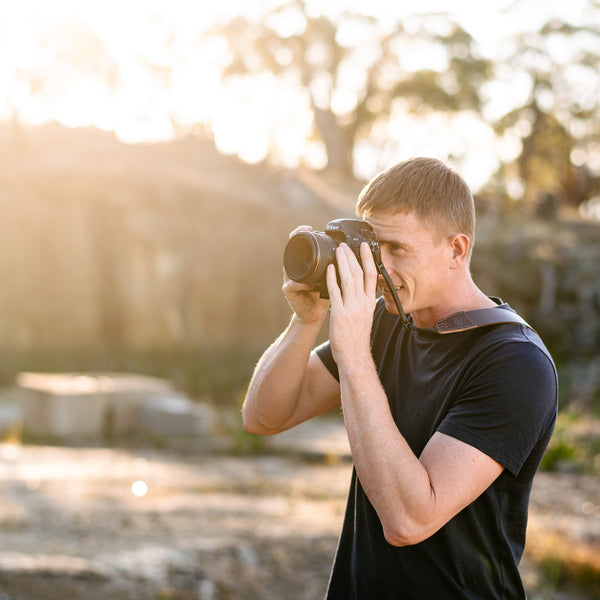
131, 67
141, 69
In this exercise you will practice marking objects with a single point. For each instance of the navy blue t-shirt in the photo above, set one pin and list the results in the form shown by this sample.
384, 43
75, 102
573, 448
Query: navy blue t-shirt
494, 388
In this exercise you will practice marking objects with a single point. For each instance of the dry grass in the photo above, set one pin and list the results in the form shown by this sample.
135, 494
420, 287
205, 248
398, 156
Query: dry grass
565, 561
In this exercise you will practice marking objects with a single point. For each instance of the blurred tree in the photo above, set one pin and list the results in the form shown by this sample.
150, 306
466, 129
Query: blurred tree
356, 70
558, 124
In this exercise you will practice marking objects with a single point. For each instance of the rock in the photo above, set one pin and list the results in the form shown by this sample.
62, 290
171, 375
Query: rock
176, 415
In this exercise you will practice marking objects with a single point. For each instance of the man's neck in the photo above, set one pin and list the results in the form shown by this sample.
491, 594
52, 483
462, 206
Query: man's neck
473, 300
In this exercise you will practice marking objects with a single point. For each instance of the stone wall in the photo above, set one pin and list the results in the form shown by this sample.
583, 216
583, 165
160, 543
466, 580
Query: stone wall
140, 246
174, 248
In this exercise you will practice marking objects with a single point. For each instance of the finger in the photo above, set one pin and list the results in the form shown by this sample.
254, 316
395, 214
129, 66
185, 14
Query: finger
370, 270
290, 286
301, 228
335, 294
294, 286
351, 273
343, 271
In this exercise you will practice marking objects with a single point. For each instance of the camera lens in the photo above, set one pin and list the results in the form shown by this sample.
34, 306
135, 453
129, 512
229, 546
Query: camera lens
307, 255
300, 256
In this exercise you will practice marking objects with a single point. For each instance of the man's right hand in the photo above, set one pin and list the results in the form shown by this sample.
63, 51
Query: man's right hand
304, 300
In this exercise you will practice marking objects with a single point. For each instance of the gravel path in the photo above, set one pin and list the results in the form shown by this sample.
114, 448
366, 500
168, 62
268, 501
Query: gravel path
206, 525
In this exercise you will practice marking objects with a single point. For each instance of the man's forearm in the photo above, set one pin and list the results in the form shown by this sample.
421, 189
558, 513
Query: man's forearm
413, 496
393, 478
276, 385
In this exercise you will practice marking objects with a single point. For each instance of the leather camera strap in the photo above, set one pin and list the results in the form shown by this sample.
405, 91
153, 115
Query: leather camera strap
462, 321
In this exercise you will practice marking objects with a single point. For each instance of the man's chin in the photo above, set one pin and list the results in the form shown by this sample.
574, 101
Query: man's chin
390, 305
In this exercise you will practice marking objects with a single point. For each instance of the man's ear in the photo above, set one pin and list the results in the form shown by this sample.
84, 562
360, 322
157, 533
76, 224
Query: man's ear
460, 244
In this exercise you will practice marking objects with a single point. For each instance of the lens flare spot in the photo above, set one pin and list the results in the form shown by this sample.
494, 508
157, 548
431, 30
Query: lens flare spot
139, 488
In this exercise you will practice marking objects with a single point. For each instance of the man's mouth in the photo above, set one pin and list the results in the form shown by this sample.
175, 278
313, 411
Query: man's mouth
385, 289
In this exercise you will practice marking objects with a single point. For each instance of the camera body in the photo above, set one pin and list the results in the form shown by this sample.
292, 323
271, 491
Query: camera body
308, 253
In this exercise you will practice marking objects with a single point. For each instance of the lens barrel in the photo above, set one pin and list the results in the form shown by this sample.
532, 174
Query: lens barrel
306, 256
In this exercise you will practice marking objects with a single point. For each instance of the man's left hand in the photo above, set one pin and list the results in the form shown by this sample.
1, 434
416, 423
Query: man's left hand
352, 303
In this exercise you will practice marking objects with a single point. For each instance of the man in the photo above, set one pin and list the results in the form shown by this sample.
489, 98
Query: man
446, 431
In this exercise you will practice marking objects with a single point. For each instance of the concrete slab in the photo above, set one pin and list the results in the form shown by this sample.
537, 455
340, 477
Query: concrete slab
176, 416
319, 437
87, 405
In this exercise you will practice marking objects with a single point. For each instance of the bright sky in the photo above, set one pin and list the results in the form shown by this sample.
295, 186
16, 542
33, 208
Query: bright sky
251, 118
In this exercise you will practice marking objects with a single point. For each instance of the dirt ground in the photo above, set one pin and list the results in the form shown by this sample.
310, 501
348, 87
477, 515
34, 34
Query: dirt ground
210, 525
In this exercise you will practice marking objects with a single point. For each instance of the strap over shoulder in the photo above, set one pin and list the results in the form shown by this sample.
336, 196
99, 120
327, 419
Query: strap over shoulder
462, 321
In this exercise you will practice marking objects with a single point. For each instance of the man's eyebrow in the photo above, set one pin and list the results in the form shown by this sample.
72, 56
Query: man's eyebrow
395, 242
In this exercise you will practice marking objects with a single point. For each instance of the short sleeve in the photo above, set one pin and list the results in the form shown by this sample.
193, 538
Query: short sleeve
508, 401
324, 353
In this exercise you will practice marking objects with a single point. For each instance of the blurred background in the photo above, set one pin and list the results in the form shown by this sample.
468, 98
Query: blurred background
154, 156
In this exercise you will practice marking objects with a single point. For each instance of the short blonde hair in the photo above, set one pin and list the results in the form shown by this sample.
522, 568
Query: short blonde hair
435, 193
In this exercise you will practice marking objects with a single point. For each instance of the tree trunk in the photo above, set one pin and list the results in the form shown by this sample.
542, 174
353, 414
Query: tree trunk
337, 145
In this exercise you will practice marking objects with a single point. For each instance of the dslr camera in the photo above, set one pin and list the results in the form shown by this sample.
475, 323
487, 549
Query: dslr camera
308, 253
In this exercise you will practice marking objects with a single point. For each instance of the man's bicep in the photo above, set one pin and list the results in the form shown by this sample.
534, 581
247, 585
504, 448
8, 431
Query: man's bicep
458, 472
320, 392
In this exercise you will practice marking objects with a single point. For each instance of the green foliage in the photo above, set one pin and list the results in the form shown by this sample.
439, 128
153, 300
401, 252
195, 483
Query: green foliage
320, 52
245, 443
574, 447
555, 117
547, 271
558, 119
562, 452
